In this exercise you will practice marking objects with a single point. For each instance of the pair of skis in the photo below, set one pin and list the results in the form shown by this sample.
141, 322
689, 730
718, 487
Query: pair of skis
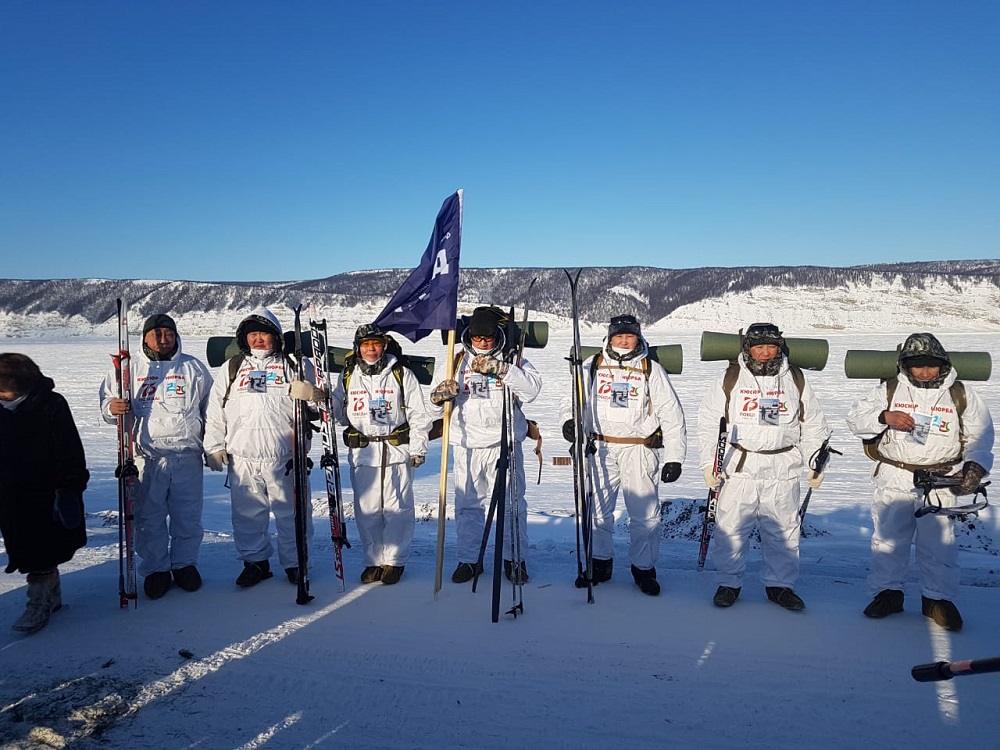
583, 485
127, 473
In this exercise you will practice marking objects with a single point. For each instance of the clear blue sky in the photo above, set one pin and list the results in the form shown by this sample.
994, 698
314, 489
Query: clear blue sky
286, 140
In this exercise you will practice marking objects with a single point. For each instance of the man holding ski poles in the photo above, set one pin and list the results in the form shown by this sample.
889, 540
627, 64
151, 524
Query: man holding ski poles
387, 421
476, 418
922, 420
169, 403
250, 436
632, 412
775, 422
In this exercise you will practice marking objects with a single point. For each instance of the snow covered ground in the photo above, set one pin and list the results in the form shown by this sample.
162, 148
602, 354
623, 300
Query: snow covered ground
393, 667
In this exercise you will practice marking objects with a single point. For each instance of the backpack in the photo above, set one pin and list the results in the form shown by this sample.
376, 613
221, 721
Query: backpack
958, 396
733, 374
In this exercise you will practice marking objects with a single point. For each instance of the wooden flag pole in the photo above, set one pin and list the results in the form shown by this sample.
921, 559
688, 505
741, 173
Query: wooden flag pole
443, 482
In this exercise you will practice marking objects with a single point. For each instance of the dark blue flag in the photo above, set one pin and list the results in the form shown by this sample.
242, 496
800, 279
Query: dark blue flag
428, 299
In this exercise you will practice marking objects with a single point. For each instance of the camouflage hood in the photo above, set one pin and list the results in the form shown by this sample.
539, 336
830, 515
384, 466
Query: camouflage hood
923, 349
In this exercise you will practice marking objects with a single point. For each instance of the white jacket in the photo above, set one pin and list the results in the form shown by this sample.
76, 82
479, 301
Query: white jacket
476, 415
257, 420
934, 410
376, 405
622, 402
169, 402
757, 429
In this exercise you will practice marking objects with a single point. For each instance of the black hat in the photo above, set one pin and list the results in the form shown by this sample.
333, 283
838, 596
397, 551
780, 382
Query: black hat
369, 332
624, 324
484, 322
925, 360
763, 333
160, 320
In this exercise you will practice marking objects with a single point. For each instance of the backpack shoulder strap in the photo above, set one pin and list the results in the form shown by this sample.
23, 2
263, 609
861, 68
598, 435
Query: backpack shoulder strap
235, 363
729, 382
799, 378
595, 365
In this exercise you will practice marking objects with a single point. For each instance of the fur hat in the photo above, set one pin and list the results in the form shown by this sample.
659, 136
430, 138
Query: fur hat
624, 324
485, 321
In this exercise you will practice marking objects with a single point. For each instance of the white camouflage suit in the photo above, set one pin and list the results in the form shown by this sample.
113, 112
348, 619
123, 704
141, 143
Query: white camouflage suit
381, 475
476, 419
623, 403
255, 427
896, 499
764, 415
169, 403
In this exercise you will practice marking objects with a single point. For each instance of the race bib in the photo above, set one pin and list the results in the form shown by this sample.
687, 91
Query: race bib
619, 395
769, 412
257, 381
479, 386
378, 411
921, 428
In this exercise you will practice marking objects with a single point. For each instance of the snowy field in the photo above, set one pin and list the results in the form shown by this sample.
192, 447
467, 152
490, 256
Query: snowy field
393, 667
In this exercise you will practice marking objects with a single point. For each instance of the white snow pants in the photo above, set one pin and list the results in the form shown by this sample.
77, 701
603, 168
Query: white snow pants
169, 485
634, 471
383, 512
475, 471
258, 488
771, 504
896, 528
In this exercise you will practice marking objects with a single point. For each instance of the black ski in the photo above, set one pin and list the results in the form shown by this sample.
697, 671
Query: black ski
300, 469
583, 489
127, 472
330, 461
712, 503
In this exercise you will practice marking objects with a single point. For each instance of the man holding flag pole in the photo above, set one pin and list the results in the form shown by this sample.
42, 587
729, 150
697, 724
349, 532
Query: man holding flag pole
427, 302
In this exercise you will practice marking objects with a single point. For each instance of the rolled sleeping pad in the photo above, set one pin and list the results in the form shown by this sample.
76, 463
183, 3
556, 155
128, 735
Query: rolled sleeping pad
863, 364
536, 338
222, 348
809, 354
669, 356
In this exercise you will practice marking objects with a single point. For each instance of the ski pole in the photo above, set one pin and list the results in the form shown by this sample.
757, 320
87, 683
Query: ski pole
945, 670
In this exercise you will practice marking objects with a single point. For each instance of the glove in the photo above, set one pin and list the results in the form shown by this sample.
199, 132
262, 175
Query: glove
670, 472
302, 390
417, 460
815, 479
569, 430
217, 461
972, 477
487, 365
68, 508
713, 482
446, 390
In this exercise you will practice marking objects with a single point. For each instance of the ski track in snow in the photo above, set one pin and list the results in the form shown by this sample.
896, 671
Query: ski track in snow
391, 667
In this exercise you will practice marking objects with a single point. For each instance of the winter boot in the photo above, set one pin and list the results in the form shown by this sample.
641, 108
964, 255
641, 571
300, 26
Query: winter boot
371, 574
886, 602
188, 577
41, 602
785, 598
514, 574
391, 574
646, 581
943, 612
156, 584
253, 573
465, 572
726, 596
603, 569
292, 574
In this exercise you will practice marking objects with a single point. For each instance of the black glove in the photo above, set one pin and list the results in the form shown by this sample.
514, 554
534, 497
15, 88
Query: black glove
68, 508
972, 477
671, 472
569, 431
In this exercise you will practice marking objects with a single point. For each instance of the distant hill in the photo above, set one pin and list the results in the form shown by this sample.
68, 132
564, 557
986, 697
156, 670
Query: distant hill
658, 296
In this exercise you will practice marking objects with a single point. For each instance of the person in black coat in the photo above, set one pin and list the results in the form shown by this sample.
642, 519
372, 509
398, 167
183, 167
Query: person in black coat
43, 474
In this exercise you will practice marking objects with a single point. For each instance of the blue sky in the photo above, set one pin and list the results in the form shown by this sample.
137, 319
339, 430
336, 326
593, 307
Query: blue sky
288, 140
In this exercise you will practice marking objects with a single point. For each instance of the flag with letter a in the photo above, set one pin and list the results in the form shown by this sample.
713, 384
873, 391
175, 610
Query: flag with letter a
428, 299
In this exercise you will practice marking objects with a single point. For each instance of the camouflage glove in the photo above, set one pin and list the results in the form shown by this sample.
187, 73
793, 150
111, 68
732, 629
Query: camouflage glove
711, 481
972, 477
302, 390
487, 365
217, 461
446, 390
815, 479
417, 461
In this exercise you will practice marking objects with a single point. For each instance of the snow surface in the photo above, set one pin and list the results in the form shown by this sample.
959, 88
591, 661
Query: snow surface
393, 667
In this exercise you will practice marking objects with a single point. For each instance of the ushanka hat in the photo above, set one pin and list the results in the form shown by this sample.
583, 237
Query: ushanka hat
160, 320
624, 324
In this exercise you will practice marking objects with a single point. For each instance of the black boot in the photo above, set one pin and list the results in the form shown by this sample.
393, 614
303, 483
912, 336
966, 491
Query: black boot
391, 574
156, 584
515, 575
943, 612
646, 581
785, 598
465, 572
253, 573
726, 596
886, 602
603, 569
